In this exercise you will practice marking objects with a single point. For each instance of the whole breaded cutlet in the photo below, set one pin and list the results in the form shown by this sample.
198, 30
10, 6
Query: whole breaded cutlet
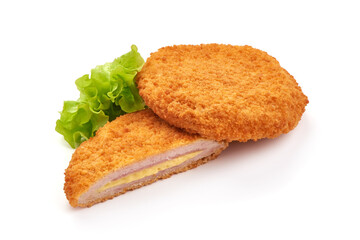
134, 150
222, 92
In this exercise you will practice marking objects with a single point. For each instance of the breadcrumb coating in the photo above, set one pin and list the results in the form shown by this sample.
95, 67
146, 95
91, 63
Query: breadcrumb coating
222, 92
122, 142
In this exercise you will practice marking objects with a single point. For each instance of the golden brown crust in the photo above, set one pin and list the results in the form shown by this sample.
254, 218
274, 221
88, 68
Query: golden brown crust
222, 92
122, 142
156, 178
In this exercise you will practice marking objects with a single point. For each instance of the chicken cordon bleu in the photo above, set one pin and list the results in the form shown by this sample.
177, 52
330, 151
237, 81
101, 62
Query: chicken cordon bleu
134, 150
222, 92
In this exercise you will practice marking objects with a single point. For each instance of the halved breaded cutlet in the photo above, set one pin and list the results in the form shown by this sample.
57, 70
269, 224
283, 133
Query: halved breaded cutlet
134, 150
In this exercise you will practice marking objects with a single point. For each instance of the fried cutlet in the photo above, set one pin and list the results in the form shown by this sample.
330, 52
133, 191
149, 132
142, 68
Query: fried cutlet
134, 150
222, 92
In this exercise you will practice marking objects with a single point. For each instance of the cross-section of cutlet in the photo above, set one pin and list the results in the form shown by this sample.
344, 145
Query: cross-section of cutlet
132, 151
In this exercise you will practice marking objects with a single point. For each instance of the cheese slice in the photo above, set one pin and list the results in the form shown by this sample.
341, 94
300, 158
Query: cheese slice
149, 171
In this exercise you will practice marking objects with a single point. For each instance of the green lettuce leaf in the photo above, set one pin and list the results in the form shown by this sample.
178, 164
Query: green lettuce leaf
108, 92
78, 122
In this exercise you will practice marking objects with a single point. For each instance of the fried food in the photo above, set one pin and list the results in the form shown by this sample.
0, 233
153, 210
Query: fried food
222, 92
134, 150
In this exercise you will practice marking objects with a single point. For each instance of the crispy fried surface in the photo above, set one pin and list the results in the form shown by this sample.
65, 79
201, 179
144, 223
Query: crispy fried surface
222, 92
124, 141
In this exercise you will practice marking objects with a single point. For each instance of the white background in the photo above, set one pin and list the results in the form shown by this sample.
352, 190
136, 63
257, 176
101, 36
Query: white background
303, 185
